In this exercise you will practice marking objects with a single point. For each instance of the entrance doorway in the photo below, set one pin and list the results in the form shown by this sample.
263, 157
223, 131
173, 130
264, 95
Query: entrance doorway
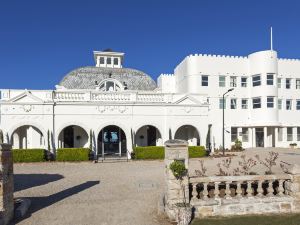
111, 141
259, 136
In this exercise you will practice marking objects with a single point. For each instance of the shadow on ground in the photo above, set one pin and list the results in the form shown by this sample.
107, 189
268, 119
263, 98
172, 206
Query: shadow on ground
38, 203
25, 181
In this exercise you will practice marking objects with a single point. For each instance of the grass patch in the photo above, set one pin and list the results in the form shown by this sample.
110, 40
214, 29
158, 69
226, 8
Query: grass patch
283, 219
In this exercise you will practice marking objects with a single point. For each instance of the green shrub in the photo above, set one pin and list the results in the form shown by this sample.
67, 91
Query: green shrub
149, 152
72, 154
238, 146
197, 151
29, 155
158, 152
178, 169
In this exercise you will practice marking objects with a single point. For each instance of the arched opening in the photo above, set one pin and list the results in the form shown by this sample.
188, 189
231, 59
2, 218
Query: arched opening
73, 137
27, 137
188, 133
110, 85
112, 141
148, 135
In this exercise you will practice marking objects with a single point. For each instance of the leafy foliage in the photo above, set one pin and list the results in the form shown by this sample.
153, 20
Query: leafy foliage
238, 146
72, 154
29, 155
178, 169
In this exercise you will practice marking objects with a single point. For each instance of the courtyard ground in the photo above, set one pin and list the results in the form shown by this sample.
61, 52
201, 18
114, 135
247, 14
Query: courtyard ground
123, 193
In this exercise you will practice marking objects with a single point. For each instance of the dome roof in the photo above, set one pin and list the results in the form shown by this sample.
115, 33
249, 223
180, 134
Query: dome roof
87, 77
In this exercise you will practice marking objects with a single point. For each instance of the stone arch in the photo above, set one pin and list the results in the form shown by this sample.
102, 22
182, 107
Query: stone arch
73, 136
188, 133
27, 137
148, 135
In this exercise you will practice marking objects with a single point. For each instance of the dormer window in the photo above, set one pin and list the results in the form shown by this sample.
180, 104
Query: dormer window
110, 85
116, 61
101, 60
108, 60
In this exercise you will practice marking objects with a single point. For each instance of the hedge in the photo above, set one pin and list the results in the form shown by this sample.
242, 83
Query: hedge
72, 154
158, 152
29, 155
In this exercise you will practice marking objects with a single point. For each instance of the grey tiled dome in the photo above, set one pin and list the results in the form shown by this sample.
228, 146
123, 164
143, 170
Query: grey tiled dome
86, 77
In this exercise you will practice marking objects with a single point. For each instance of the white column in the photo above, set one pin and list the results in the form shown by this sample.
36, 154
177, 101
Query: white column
294, 134
276, 136
254, 137
266, 143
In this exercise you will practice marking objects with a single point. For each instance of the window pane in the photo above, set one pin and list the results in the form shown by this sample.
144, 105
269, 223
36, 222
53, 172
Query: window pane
204, 80
101, 60
298, 104
244, 82
297, 84
245, 134
280, 133
244, 103
256, 103
279, 82
298, 133
288, 83
116, 61
221, 81
233, 103
270, 102
289, 132
256, 80
232, 81
233, 134
279, 103
221, 103
288, 104
108, 60
270, 79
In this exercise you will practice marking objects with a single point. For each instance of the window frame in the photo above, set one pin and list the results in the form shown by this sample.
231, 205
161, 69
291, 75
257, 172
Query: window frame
270, 104
233, 80
254, 104
234, 134
297, 104
116, 61
243, 105
270, 81
244, 83
256, 83
108, 61
279, 80
288, 84
232, 105
289, 136
290, 105
222, 82
279, 105
297, 83
204, 83
245, 135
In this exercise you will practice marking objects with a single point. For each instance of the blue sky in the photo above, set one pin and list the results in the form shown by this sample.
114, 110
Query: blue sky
41, 41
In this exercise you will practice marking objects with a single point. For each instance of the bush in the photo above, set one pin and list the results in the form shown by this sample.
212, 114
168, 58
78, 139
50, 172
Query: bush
29, 155
197, 151
149, 152
237, 146
158, 152
72, 154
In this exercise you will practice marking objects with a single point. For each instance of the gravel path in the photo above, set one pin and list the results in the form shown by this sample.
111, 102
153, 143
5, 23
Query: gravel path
123, 193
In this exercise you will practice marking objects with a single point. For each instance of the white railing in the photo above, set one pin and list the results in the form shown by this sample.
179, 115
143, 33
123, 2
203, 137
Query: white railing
111, 97
69, 96
228, 187
150, 98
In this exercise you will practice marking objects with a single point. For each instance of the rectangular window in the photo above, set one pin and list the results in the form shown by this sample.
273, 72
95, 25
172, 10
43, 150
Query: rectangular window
279, 103
298, 133
279, 82
287, 83
222, 81
256, 103
204, 80
233, 134
221, 103
288, 104
297, 84
116, 61
233, 103
232, 81
244, 103
245, 134
101, 60
270, 102
298, 104
256, 80
108, 61
280, 133
289, 134
243, 81
270, 79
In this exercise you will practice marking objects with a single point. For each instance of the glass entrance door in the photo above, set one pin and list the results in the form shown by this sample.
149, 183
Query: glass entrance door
111, 140
259, 136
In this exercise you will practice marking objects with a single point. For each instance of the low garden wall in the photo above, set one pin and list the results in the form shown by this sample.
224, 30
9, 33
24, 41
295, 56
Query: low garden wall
229, 195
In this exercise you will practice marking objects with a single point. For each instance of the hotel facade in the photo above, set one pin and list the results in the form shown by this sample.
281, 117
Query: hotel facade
113, 109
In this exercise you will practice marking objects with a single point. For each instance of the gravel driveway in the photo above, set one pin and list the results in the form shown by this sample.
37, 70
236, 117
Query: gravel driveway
123, 193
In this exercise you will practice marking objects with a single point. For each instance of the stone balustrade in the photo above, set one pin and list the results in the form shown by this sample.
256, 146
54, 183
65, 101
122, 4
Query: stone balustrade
72, 95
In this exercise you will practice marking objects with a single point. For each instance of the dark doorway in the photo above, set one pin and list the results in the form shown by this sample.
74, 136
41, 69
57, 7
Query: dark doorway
69, 137
259, 136
151, 135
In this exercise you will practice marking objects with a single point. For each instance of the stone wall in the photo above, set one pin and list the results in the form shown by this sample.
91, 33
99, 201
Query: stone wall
6, 184
175, 150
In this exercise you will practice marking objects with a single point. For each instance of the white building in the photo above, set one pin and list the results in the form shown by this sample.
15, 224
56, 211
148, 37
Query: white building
115, 108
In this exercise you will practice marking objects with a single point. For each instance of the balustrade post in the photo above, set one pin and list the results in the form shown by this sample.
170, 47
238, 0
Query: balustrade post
280, 188
205, 191
260, 190
270, 188
194, 193
217, 191
238, 190
227, 190
249, 189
